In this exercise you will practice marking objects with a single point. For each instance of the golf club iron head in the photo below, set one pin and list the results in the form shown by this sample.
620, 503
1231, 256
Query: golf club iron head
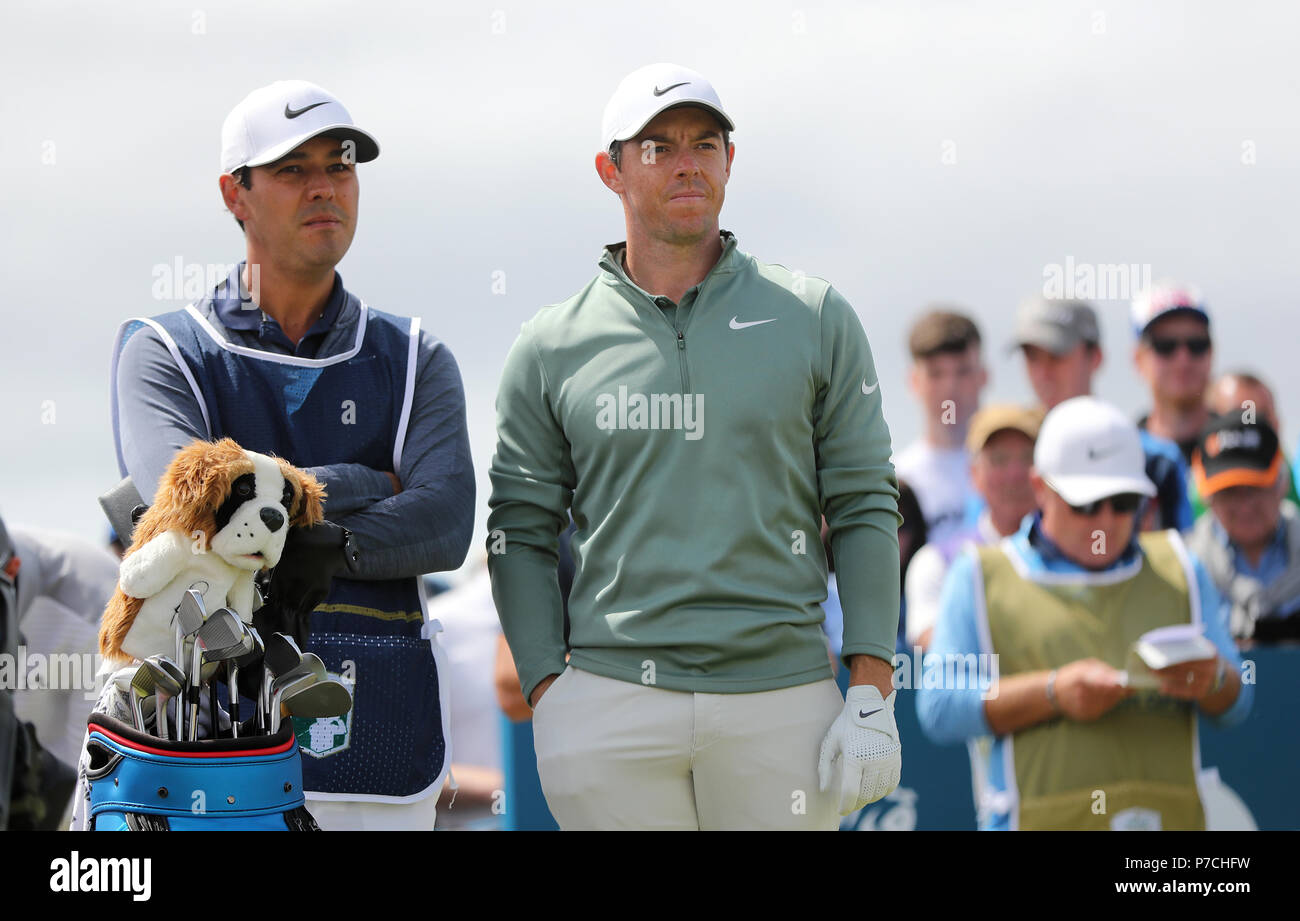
221, 634
167, 683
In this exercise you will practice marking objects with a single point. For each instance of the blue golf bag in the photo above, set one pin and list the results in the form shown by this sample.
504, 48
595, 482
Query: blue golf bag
142, 783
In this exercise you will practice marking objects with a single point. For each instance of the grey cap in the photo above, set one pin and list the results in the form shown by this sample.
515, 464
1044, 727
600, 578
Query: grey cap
1056, 325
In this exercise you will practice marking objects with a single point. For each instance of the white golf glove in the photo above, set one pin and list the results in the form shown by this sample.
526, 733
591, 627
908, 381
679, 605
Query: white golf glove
864, 741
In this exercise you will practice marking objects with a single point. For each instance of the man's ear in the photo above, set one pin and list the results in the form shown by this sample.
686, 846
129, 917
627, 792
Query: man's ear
1142, 361
230, 196
914, 378
609, 173
731, 157
1039, 486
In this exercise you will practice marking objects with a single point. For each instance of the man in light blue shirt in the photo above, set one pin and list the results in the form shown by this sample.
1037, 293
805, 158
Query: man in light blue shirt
1089, 482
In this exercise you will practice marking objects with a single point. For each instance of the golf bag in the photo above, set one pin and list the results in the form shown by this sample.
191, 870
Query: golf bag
141, 783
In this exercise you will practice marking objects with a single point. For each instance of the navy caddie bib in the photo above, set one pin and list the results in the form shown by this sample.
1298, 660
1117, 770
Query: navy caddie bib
348, 408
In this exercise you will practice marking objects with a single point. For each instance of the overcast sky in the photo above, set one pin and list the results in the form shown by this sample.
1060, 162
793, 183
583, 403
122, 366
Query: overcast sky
907, 152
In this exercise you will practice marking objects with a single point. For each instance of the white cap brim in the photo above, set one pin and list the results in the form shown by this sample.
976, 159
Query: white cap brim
367, 146
1080, 490
628, 132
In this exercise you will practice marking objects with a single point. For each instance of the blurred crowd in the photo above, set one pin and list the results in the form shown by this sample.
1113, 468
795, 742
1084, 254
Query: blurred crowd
1211, 450
979, 474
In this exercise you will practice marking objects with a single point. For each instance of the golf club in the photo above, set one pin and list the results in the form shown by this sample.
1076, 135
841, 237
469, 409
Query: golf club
220, 634
165, 687
251, 657
227, 655
309, 664
282, 655
287, 685
190, 615
142, 685
177, 675
324, 698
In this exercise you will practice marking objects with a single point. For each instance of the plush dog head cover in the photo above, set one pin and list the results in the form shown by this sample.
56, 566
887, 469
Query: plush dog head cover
240, 504
210, 486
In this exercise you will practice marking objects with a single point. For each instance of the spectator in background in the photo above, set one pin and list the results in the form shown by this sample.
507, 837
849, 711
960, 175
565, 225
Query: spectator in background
53, 587
1250, 541
1245, 394
1001, 445
64, 584
1061, 342
470, 635
946, 378
1061, 603
1173, 355
911, 539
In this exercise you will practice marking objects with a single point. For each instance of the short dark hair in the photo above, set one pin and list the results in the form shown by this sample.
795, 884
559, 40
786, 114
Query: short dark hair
244, 176
942, 331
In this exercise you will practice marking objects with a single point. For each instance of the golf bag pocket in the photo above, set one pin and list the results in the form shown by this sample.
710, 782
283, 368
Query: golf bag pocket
391, 745
141, 783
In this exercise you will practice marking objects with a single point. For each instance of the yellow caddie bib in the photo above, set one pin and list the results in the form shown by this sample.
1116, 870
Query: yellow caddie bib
1136, 766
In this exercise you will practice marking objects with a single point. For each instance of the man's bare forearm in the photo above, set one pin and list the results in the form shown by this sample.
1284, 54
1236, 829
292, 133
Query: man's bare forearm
1021, 701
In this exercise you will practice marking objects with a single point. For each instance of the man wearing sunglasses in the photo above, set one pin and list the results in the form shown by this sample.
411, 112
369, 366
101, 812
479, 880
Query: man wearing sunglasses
1173, 355
1060, 603
1061, 344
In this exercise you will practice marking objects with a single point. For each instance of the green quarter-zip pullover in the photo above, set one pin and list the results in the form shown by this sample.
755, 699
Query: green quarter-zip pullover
697, 445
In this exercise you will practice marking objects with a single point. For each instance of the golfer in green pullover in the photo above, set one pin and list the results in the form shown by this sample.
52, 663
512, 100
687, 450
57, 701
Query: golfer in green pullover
697, 412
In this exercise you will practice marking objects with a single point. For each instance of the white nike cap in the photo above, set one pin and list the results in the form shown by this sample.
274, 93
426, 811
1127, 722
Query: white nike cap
1088, 450
646, 92
275, 119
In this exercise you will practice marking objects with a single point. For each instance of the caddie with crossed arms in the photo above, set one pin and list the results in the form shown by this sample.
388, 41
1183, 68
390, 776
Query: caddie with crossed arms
698, 411
285, 360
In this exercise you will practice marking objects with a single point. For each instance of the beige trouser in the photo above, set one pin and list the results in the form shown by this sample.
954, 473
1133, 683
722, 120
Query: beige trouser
616, 755
332, 815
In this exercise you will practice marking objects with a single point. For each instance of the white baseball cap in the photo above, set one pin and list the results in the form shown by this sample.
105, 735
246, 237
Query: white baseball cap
1088, 450
275, 119
1166, 297
646, 92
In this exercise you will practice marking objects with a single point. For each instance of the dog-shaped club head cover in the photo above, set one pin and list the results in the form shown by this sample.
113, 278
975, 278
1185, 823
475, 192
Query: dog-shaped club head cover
220, 514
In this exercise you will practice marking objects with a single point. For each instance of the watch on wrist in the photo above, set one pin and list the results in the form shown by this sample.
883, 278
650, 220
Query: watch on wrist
1220, 676
1051, 691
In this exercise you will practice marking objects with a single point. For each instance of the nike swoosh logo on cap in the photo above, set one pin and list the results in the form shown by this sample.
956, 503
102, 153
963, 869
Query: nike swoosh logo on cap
660, 92
1095, 454
869, 390
736, 324
294, 113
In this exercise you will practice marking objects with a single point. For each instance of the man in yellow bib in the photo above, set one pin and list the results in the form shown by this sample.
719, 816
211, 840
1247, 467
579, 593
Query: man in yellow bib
1060, 603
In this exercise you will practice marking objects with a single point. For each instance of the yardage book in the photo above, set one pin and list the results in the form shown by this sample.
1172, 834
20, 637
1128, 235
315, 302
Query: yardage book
1162, 647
